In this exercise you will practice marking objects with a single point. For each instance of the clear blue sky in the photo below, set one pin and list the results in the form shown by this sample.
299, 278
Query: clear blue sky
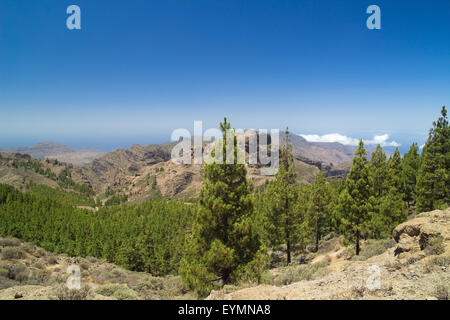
139, 69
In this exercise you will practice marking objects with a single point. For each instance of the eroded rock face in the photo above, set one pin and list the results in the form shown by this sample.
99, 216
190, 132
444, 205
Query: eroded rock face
420, 232
406, 243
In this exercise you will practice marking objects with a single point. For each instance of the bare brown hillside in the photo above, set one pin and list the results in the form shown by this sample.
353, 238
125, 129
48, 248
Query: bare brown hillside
132, 171
145, 172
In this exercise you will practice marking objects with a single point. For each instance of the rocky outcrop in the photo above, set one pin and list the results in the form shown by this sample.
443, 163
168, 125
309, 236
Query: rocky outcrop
423, 231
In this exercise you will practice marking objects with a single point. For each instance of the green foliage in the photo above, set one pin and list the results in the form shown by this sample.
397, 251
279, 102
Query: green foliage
34, 165
221, 237
318, 210
378, 172
374, 247
387, 206
146, 237
394, 177
410, 167
354, 204
9, 242
224, 246
116, 200
118, 291
301, 272
281, 198
61, 196
12, 253
433, 181
62, 292
435, 246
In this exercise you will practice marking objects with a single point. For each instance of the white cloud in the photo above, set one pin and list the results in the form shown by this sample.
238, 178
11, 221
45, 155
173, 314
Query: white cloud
331, 137
336, 137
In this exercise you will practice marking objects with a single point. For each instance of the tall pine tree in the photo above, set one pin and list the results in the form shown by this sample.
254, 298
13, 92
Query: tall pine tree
387, 206
224, 246
378, 172
395, 173
281, 197
354, 205
410, 167
433, 181
318, 208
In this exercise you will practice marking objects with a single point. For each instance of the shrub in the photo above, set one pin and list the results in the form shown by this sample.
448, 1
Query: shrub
373, 248
84, 266
9, 242
149, 284
40, 276
173, 286
125, 293
92, 259
60, 278
267, 278
293, 274
6, 283
12, 253
439, 261
62, 292
39, 252
435, 246
18, 272
328, 243
108, 289
51, 259
118, 291
4, 273
442, 291
29, 248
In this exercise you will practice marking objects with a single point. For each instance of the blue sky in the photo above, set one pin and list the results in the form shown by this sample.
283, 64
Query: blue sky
139, 69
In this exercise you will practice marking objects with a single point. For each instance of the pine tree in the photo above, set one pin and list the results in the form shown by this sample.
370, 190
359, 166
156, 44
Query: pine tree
378, 172
317, 213
281, 198
433, 181
378, 179
395, 173
387, 207
335, 188
354, 205
224, 246
410, 167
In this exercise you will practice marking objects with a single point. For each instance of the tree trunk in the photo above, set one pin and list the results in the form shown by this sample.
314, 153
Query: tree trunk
288, 251
317, 235
288, 242
287, 231
357, 243
226, 276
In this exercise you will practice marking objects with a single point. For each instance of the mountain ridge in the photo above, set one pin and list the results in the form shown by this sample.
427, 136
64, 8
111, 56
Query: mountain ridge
61, 152
145, 171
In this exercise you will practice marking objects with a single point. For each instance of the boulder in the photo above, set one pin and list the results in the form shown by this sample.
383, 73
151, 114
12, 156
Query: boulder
417, 234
